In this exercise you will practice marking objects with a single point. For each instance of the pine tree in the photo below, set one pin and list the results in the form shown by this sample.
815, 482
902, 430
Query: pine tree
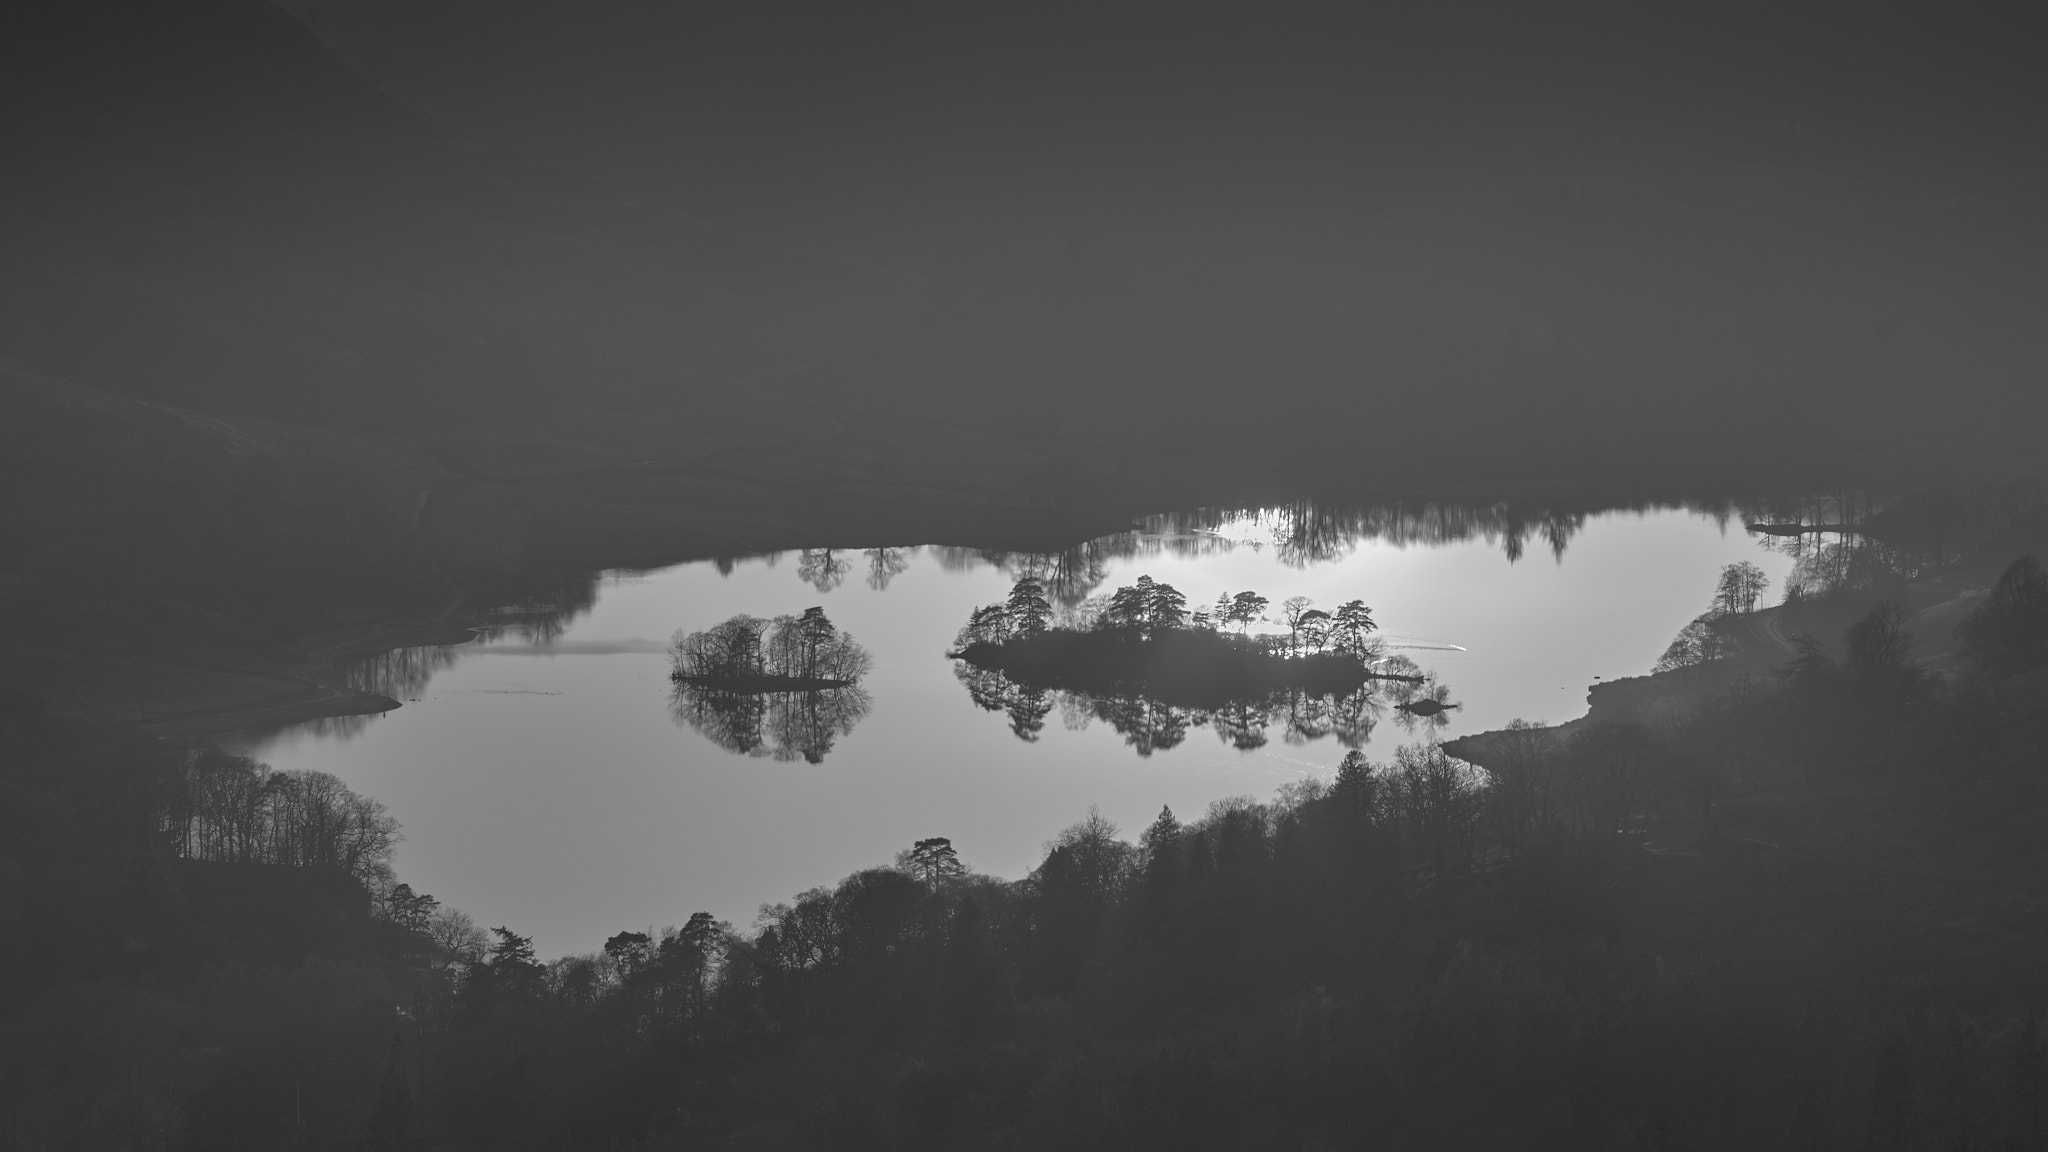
1166, 608
1028, 611
936, 860
1246, 607
1351, 628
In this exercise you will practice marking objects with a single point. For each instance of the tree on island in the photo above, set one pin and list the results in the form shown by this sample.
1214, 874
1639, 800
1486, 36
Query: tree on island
1315, 628
1351, 629
1146, 608
1246, 608
1027, 612
743, 649
988, 624
1292, 610
1167, 608
1130, 606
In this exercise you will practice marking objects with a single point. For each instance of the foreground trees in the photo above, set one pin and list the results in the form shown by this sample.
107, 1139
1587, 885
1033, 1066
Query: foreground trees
233, 810
2008, 632
1811, 900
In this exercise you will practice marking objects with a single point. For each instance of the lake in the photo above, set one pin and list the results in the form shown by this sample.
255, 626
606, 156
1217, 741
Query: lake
546, 781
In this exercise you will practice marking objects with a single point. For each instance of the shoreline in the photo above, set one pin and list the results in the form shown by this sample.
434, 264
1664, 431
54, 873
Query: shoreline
268, 692
1667, 698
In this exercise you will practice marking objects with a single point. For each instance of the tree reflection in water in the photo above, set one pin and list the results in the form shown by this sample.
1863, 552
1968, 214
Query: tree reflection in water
1301, 534
1151, 725
401, 673
1425, 707
783, 725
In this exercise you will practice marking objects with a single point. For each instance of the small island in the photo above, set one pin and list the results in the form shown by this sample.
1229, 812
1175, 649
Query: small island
749, 655
1143, 638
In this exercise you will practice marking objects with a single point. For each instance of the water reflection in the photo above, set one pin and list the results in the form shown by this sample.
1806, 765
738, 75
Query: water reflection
1301, 533
537, 612
541, 612
1149, 724
1307, 532
1423, 707
783, 725
885, 564
401, 673
822, 568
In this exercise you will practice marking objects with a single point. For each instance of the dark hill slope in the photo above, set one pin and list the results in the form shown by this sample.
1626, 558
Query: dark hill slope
219, 214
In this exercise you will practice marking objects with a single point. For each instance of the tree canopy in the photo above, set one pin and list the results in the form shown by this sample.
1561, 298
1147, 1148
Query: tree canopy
747, 649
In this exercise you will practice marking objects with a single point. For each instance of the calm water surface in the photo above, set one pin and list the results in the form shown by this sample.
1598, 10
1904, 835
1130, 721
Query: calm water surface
552, 788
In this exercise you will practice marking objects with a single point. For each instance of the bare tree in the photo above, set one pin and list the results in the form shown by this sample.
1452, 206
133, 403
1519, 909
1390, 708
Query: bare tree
458, 935
1294, 608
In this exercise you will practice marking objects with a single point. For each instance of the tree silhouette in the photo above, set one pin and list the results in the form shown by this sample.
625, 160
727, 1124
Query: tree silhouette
1293, 609
1027, 611
1740, 585
988, 624
1165, 608
1245, 609
1351, 629
629, 953
1699, 642
935, 860
410, 910
1314, 626
1161, 849
458, 936
1130, 607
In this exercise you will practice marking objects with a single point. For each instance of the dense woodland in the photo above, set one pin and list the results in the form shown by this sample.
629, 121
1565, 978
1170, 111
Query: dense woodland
1803, 918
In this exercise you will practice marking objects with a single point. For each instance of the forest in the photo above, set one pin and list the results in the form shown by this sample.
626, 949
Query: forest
1801, 918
